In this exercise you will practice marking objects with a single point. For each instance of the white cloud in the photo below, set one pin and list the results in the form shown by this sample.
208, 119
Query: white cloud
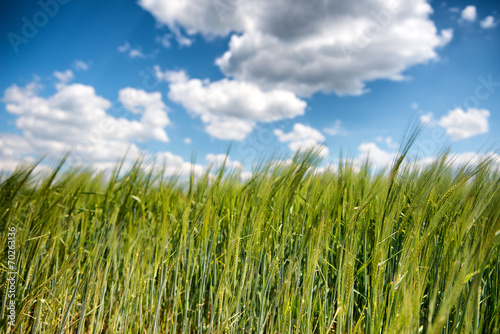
81, 65
170, 76
330, 62
467, 158
164, 40
427, 118
469, 13
75, 118
306, 47
154, 112
187, 140
460, 124
10, 146
175, 165
101, 158
230, 109
228, 128
133, 53
303, 137
488, 22
462, 159
246, 175
414, 105
446, 37
389, 142
124, 48
336, 129
280, 163
377, 156
64, 77
382, 159
181, 40
59, 117
194, 16
329, 167
216, 161
7, 165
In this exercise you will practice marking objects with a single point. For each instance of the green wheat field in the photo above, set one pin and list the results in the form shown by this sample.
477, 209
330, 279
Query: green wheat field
353, 250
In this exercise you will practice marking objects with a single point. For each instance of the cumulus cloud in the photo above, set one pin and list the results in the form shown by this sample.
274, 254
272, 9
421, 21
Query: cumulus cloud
175, 165
154, 112
460, 124
193, 16
329, 167
230, 109
473, 158
360, 51
303, 137
378, 157
7, 165
170, 76
75, 117
463, 159
469, 13
216, 161
307, 47
488, 22
11, 147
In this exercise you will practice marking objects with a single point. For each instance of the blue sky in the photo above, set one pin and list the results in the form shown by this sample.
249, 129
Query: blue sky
171, 78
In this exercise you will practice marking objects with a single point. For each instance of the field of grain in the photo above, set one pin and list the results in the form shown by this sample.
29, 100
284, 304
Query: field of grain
409, 250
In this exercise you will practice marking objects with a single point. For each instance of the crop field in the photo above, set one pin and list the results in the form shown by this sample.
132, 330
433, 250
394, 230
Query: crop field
352, 250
